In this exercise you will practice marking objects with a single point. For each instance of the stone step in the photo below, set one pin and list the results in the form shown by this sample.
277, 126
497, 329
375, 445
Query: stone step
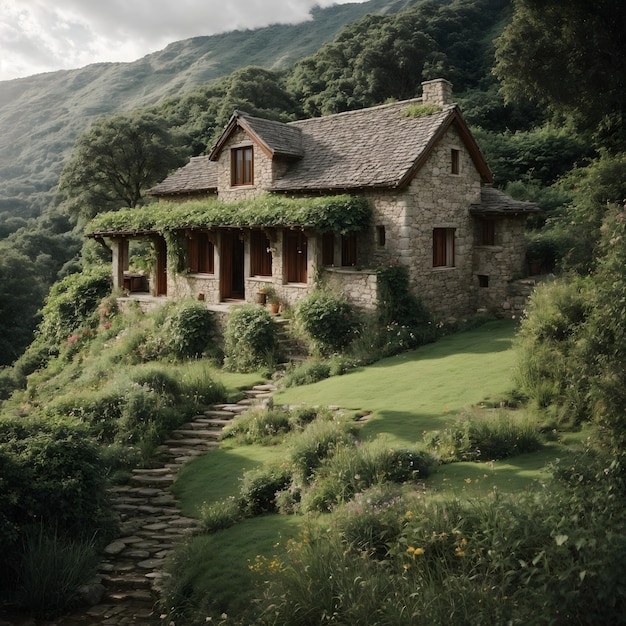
192, 433
219, 413
193, 442
167, 479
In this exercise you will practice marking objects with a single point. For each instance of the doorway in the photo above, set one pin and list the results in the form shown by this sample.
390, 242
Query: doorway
232, 266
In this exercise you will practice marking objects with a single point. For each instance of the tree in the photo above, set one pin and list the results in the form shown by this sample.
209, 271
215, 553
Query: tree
571, 56
115, 161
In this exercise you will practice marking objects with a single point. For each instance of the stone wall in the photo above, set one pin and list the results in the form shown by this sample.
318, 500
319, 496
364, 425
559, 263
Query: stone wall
435, 198
263, 169
496, 266
357, 286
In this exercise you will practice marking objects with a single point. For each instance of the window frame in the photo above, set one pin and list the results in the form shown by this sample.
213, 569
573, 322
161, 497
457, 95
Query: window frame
200, 253
444, 254
242, 167
328, 249
349, 250
487, 232
260, 254
455, 161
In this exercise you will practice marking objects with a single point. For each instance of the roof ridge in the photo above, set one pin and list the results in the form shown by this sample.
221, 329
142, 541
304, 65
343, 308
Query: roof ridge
377, 107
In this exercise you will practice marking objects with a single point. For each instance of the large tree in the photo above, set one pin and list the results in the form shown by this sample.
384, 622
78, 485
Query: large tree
571, 56
115, 161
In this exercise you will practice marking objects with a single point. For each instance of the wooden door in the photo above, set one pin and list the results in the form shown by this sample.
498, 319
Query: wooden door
296, 256
232, 266
161, 266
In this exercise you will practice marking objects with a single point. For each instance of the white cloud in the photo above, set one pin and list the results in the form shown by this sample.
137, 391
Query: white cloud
46, 35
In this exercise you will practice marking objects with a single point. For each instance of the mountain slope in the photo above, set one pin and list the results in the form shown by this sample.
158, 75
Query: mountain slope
41, 115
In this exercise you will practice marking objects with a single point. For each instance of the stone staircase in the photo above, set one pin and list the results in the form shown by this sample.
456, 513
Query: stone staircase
151, 524
290, 347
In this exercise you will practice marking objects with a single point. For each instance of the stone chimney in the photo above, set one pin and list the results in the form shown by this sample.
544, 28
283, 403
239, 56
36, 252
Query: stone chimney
438, 91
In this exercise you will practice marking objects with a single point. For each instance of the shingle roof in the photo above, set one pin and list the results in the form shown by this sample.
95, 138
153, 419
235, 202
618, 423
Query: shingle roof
495, 202
377, 147
279, 139
200, 174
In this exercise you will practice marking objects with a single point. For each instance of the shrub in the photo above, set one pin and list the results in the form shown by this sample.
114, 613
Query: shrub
486, 437
372, 520
260, 486
73, 303
258, 426
551, 363
328, 320
250, 339
52, 474
188, 330
306, 373
318, 441
220, 515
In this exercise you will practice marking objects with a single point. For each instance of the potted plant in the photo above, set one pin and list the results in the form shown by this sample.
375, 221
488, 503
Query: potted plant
272, 299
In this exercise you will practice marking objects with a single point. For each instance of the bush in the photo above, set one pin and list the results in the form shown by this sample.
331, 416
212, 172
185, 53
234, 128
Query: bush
188, 330
354, 468
260, 486
220, 515
250, 339
53, 475
73, 304
372, 520
551, 362
306, 373
328, 320
318, 441
258, 426
486, 437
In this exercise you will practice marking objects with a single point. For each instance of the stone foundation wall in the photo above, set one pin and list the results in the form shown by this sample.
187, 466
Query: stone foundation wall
358, 286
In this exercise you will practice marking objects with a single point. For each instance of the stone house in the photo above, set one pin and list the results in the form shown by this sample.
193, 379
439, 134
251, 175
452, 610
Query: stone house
430, 207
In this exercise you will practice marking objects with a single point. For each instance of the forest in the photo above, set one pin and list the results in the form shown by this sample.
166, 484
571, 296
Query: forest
542, 88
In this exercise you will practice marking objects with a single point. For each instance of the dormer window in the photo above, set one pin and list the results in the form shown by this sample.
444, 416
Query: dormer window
242, 171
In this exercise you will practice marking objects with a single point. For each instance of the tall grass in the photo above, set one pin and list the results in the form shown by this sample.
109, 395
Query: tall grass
52, 569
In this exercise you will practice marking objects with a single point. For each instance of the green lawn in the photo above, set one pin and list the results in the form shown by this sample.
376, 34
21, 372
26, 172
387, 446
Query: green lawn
423, 389
409, 394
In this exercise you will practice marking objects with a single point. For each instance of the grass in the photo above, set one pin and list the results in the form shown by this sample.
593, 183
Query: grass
216, 476
420, 390
221, 562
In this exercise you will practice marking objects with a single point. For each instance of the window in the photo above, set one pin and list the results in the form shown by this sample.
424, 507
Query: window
381, 236
242, 166
487, 232
483, 281
328, 249
260, 254
348, 250
455, 161
443, 247
296, 256
200, 253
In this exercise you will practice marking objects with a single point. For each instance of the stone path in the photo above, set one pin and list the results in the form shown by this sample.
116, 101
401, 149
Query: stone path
150, 526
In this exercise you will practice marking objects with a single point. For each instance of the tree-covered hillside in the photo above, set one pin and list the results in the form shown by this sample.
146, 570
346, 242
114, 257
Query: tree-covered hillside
191, 89
42, 115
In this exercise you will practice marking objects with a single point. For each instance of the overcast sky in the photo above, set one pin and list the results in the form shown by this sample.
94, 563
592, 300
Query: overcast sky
45, 35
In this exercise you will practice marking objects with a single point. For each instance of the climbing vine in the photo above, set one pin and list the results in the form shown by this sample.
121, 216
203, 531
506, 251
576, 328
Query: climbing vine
339, 214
